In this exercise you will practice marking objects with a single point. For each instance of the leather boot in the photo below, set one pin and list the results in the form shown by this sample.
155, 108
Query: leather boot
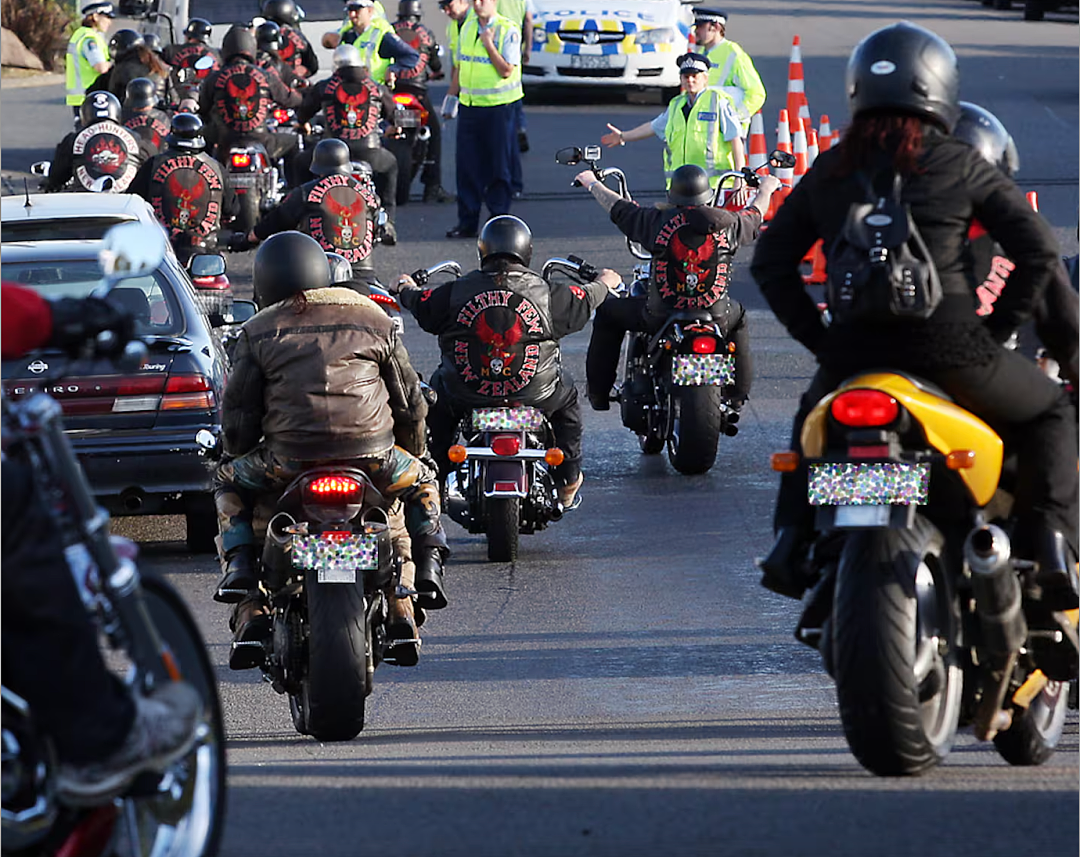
1057, 576
252, 627
429, 577
239, 577
781, 568
403, 647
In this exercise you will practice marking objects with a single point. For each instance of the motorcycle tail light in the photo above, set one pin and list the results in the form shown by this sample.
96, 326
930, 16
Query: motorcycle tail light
506, 444
411, 102
281, 115
385, 300
334, 489
241, 160
864, 408
785, 462
703, 345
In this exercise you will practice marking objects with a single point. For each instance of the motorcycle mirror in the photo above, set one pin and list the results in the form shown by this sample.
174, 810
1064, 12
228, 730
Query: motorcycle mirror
130, 250
40, 168
102, 184
206, 265
569, 157
257, 21
781, 159
204, 63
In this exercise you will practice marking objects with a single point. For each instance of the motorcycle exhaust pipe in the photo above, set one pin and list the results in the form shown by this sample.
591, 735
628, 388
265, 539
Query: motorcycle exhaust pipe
276, 565
423, 133
997, 590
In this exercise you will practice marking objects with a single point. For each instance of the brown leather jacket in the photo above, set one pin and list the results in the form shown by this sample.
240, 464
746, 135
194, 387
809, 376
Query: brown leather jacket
326, 380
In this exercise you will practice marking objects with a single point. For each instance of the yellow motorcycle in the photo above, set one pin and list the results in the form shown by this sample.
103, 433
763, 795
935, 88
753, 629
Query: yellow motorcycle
923, 618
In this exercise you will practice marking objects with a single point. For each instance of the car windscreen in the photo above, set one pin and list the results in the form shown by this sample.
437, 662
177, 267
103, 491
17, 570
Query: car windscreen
59, 229
150, 299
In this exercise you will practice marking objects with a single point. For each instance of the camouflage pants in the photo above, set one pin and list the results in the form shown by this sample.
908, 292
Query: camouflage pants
397, 474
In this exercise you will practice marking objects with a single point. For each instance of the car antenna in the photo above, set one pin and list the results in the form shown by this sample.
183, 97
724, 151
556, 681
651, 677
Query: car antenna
26, 187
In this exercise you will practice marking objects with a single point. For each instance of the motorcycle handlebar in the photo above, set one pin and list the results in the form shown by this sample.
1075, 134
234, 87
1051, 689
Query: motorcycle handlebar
422, 275
574, 266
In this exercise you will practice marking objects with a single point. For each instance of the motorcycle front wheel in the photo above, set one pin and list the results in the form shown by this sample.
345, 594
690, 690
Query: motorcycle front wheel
503, 527
896, 660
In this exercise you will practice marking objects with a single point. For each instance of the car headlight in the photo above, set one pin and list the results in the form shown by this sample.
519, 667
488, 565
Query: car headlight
655, 36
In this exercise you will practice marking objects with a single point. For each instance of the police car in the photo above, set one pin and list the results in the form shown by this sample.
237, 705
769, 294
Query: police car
608, 42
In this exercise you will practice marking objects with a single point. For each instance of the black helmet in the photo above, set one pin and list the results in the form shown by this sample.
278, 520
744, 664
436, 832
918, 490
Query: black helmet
268, 36
98, 107
689, 186
981, 129
239, 42
409, 9
199, 28
283, 11
186, 133
124, 42
331, 156
505, 235
153, 41
140, 94
906, 69
340, 268
288, 263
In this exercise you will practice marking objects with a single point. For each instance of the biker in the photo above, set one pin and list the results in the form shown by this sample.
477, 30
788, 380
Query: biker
1056, 313
415, 80
188, 189
336, 208
295, 49
104, 735
141, 116
385, 55
236, 99
319, 375
195, 46
268, 40
131, 59
901, 123
693, 247
102, 150
505, 312
353, 104
87, 52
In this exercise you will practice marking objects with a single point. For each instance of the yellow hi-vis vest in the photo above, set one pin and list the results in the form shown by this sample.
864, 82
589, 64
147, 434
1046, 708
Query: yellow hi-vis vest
78, 72
368, 43
697, 140
733, 71
481, 84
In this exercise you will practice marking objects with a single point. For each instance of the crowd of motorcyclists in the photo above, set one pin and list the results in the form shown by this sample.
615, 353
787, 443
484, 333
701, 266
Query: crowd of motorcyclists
320, 373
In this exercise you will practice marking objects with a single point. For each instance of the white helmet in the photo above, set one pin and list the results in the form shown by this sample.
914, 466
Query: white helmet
346, 56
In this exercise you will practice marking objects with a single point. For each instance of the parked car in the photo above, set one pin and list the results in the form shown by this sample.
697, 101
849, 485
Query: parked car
134, 432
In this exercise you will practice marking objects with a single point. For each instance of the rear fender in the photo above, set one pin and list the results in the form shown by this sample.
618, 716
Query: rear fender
505, 478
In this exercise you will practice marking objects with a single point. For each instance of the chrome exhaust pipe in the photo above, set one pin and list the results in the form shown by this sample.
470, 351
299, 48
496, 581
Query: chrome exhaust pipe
132, 500
276, 564
987, 552
423, 133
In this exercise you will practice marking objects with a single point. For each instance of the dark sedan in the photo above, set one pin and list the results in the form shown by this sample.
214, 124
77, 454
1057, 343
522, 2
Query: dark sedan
134, 431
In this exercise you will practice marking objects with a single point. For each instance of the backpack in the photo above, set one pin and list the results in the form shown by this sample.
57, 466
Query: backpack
879, 267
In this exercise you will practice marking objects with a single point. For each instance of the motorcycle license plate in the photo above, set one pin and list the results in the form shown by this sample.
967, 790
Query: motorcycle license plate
589, 61
336, 558
243, 179
407, 119
862, 516
507, 419
702, 370
881, 483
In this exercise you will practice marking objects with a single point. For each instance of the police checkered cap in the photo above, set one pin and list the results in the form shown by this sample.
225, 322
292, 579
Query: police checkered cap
98, 8
359, 4
703, 15
693, 63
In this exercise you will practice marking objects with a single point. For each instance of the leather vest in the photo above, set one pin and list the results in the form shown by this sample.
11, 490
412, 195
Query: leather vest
105, 149
339, 212
352, 107
691, 265
187, 192
242, 97
152, 126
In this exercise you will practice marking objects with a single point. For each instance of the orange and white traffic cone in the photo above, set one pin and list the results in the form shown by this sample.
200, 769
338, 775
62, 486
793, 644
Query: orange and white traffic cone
758, 156
798, 138
816, 258
811, 147
797, 105
783, 143
825, 138
1033, 200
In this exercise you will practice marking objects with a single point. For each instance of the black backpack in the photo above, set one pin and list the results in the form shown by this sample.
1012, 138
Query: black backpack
878, 267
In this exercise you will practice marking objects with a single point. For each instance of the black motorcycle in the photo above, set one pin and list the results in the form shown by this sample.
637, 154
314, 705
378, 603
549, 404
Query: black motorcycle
412, 145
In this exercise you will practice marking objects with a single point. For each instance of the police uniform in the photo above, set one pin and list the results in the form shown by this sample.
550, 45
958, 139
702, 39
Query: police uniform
86, 49
732, 70
380, 48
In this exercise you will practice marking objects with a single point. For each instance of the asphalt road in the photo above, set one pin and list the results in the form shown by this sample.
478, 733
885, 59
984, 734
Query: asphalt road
626, 688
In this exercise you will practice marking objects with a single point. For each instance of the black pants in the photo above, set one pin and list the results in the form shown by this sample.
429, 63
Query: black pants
614, 317
562, 408
1011, 394
432, 173
50, 646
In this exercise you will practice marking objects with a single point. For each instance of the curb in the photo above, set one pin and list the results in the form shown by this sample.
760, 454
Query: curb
46, 79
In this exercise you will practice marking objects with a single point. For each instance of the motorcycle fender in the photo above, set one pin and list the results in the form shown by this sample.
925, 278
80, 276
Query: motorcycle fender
505, 479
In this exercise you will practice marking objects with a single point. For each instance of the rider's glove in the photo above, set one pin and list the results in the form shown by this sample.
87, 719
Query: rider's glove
78, 320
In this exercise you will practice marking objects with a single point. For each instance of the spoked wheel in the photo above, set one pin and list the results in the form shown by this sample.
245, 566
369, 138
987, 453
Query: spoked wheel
1036, 730
895, 619
503, 528
184, 817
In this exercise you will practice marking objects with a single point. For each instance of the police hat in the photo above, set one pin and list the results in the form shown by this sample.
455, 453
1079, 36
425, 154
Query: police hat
702, 15
359, 4
98, 8
693, 63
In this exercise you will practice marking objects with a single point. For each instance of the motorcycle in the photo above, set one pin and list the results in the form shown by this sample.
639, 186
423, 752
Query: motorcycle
411, 146
148, 637
675, 387
922, 616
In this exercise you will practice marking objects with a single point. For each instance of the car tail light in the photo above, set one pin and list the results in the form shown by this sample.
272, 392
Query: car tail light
334, 490
240, 160
506, 444
863, 408
703, 345
219, 282
188, 392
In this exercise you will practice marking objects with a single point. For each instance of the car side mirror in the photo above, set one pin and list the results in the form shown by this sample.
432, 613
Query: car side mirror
570, 156
206, 265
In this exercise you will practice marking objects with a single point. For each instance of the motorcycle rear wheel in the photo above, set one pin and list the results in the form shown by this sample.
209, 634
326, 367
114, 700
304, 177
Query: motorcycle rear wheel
695, 429
1036, 730
503, 528
895, 627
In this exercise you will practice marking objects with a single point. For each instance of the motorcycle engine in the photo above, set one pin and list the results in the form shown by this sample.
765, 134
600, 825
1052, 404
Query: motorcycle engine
26, 762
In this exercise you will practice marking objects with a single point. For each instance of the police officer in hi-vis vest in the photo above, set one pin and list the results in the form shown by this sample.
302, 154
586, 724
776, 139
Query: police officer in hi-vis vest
370, 33
87, 52
732, 69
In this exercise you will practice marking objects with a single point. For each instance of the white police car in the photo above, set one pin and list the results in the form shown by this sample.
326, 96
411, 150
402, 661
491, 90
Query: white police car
608, 42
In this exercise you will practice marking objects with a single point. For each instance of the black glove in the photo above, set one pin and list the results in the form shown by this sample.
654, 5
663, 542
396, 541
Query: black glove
79, 320
238, 242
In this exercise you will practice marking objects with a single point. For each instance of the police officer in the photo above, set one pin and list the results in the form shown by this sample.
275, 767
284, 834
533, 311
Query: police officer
87, 52
295, 48
414, 80
520, 13
732, 69
103, 155
381, 50
700, 126
693, 247
901, 125
353, 105
140, 113
236, 99
336, 208
487, 83
499, 329
188, 189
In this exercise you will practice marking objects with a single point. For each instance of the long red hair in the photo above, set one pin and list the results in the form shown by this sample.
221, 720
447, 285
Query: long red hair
869, 135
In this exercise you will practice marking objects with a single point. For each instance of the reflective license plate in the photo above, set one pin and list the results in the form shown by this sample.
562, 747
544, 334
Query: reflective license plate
883, 483
589, 61
407, 119
862, 516
243, 179
507, 419
702, 370
337, 558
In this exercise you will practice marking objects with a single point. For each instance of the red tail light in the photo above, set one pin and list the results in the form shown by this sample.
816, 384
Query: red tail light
385, 300
188, 392
506, 444
241, 160
335, 489
220, 282
411, 102
281, 115
864, 408
703, 345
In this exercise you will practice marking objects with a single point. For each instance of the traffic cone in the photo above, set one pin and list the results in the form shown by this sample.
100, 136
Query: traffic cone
758, 155
783, 143
816, 257
797, 105
825, 139
811, 147
798, 137
1033, 200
